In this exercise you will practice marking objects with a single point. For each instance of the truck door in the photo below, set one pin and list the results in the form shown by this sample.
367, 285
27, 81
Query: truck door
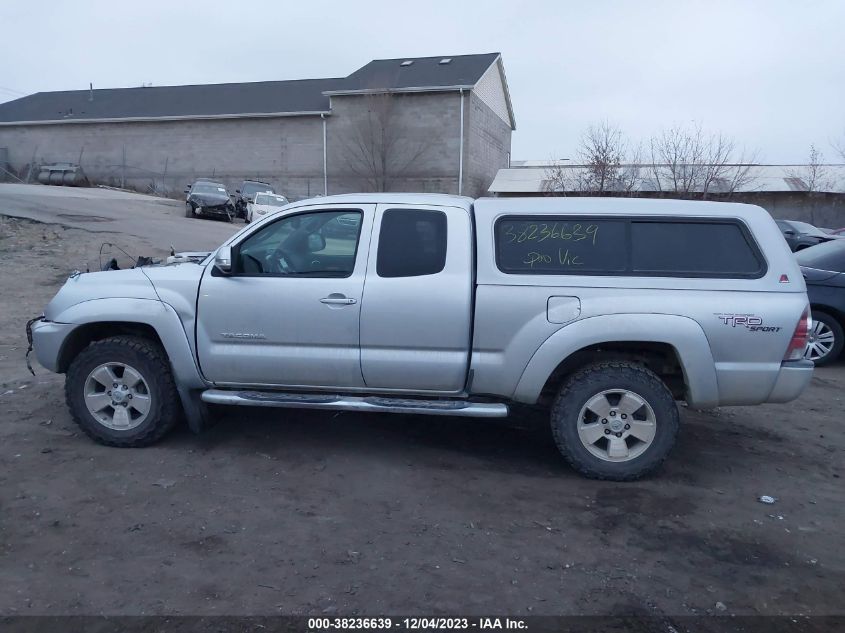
417, 303
288, 313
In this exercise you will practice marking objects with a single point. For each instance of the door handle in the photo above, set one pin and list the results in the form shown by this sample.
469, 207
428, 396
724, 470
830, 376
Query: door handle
338, 300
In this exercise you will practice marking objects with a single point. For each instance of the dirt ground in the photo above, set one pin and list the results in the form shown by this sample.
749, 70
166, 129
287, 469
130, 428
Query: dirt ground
321, 513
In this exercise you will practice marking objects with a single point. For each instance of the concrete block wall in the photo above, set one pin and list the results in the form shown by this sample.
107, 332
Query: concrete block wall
287, 152
825, 210
428, 127
488, 144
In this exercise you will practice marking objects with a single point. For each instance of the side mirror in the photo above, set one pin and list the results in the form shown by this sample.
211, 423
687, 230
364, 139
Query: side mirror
223, 259
316, 242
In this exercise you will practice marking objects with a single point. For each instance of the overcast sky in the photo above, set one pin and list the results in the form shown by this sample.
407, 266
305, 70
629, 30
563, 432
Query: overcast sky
771, 74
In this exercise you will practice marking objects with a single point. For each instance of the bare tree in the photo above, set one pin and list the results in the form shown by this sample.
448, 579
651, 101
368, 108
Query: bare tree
601, 152
376, 150
688, 162
814, 175
557, 179
630, 174
839, 146
606, 165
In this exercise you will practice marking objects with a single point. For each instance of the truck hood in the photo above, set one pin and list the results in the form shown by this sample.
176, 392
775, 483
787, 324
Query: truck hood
129, 284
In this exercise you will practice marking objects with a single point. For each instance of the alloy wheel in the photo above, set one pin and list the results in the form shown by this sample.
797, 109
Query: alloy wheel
820, 342
617, 425
117, 396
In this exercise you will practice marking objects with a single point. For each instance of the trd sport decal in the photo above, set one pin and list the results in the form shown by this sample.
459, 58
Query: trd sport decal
751, 322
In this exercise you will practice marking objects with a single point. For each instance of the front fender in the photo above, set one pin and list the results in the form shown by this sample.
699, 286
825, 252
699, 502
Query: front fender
682, 333
166, 323
160, 316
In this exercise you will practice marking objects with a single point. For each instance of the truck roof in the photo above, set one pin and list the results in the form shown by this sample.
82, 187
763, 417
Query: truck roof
557, 204
616, 206
397, 198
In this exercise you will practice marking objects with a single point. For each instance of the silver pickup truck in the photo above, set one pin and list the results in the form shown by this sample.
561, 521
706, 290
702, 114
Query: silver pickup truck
603, 311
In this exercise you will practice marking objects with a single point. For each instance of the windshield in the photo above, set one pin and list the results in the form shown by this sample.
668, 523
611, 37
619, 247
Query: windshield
206, 187
251, 187
827, 256
270, 199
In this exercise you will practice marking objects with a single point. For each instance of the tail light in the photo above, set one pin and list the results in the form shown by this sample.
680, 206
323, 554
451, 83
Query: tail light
798, 342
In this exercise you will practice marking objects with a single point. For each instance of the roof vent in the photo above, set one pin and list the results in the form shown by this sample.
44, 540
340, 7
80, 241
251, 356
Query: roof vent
407, 62
445, 60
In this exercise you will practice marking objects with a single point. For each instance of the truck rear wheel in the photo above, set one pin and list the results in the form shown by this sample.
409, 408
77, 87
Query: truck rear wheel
615, 420
120, 392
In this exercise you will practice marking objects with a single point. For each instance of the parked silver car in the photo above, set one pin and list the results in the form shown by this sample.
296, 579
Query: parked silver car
605, 312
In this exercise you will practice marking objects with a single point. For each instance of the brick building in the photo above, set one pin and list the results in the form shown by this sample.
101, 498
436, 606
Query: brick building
438, 124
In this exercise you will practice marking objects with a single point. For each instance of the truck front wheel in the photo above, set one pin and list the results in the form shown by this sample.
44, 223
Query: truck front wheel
614, 420
120, 391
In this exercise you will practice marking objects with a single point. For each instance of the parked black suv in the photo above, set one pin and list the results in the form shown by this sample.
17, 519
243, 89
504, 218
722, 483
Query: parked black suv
823, 267
246, 194
209, 199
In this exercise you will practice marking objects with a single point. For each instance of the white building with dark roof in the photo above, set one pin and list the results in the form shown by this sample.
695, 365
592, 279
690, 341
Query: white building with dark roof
440, 124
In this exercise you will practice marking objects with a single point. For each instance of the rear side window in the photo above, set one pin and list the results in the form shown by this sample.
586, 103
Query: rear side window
692, 248
561, 245
664, 247
412, 242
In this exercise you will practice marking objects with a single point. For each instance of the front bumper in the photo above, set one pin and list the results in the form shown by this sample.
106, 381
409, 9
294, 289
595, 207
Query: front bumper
221, 211
47, 341
793, 378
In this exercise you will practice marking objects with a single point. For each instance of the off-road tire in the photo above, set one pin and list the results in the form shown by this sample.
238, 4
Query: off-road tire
838, 337
578, 388
150, 360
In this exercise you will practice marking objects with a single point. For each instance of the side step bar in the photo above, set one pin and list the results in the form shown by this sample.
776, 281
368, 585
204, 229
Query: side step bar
355, 403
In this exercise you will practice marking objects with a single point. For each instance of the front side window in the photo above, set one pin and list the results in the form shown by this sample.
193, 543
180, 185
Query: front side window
318, 244
412, 243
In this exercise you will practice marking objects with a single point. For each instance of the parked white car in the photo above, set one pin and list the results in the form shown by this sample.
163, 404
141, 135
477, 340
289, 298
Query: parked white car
264, 204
